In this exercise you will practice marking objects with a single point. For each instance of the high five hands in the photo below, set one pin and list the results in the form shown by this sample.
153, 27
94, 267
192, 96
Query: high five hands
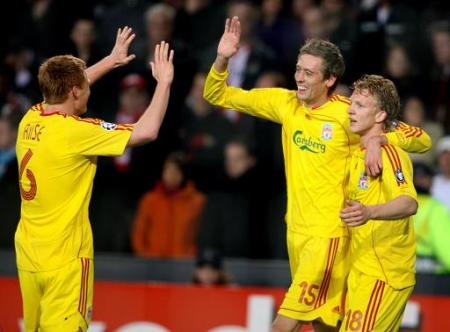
162, 64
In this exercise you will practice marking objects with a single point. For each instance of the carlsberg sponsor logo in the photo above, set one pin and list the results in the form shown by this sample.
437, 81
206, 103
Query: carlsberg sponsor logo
308, 143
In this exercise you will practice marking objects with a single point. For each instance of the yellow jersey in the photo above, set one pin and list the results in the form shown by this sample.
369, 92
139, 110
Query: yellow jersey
57, 157
384, 249
317, 146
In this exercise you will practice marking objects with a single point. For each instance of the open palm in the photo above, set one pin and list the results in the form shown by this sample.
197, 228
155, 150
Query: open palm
229, 43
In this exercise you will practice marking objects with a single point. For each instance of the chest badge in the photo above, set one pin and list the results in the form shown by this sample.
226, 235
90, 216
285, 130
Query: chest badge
327, 132
363, 182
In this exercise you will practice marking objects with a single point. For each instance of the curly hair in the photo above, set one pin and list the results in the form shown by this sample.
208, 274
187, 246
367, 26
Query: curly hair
385, 93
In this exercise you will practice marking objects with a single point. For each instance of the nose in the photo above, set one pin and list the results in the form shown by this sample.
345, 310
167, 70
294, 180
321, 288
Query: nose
299, 76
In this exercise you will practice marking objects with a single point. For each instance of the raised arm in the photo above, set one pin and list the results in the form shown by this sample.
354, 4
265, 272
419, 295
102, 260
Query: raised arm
117, 58
147, 127
229, 43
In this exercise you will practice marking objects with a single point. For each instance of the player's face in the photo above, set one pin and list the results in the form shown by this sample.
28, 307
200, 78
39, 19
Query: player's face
364, 112
312, 88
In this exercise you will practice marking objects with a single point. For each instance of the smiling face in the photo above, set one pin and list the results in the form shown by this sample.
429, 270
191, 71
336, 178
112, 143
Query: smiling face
366, 116
312, 87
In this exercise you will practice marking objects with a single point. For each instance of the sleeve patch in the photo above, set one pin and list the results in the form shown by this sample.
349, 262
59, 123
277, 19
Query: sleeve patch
108, 126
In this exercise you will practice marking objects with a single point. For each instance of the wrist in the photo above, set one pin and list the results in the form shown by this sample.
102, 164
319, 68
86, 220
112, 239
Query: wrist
371, 212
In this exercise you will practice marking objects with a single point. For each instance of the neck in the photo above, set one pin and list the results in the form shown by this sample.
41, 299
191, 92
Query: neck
61, 108
316, 103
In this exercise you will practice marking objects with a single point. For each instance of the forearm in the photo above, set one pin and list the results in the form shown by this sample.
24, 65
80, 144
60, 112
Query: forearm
99, 69
399, 208
221, 63
410, 139
146, 129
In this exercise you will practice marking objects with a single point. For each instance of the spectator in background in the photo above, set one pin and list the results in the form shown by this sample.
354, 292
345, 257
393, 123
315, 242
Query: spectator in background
234, 220
414, 114
209, 269
401, 70
440, 188
432, 224
159, 25
199, 23
440, 73
9, 190
133, 99
279, 33
166, 223
203, 133
132, 173
83, 36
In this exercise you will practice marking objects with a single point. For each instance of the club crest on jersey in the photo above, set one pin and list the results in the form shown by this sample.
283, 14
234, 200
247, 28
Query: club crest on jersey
108, 126
327, 131
399, 175
363, 181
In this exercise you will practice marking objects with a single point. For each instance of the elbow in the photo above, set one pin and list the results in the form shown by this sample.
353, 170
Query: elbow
151, 136
413, 206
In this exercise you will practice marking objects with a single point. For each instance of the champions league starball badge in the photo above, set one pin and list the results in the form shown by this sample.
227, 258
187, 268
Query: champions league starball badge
108, 126
399, 175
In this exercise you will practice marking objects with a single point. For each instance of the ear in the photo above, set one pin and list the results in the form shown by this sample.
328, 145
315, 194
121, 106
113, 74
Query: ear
76, 91
330, 81
380, 117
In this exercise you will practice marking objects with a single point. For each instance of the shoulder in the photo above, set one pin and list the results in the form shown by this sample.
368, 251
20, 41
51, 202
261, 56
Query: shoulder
340, 101
97, 123
337, 107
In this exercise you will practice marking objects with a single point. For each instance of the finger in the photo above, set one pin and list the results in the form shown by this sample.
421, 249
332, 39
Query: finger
171, 56
156, 56
352, 220
227, 25
130, 39
129, 58
166, 51
152, 65
119, 31
233, 24
238, 30
352, 214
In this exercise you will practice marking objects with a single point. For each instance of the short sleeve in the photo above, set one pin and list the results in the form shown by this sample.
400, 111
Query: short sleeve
397, 177
94, 137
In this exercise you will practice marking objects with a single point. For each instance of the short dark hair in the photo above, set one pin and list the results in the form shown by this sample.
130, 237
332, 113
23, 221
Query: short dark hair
333, 61
385, 92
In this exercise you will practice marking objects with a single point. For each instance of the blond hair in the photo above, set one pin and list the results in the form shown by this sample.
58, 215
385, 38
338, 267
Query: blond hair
385, 93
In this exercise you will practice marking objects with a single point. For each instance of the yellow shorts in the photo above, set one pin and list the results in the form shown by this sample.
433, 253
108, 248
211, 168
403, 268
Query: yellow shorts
58, 300
372, 305
319, 268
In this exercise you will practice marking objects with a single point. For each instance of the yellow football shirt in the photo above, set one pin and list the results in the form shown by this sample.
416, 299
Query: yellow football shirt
317, 145
384, 249
57, 157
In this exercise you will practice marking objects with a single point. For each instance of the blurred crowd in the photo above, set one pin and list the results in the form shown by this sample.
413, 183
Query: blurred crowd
214, 178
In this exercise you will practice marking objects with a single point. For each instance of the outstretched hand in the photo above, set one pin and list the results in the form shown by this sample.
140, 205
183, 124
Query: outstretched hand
162, 64
355, 214
119, 53
229, 43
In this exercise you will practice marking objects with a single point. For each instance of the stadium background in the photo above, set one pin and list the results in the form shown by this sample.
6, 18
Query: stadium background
370, 35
